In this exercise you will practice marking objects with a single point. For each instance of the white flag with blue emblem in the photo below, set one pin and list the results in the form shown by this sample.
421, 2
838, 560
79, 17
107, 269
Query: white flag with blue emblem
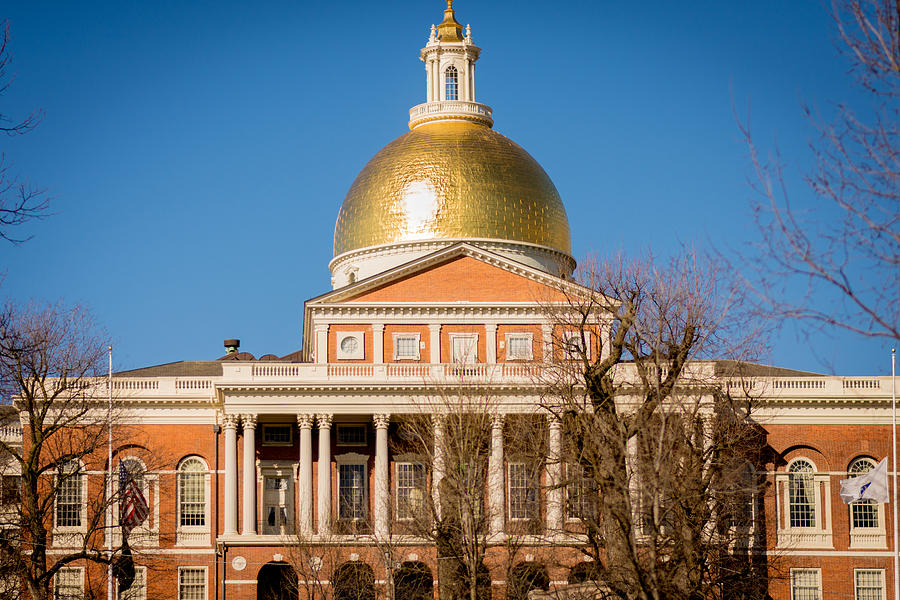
868, 486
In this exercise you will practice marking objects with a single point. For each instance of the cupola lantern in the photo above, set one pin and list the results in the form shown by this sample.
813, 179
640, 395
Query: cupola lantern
449, 59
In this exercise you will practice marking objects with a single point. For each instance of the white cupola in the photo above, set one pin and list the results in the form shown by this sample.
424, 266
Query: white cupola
449, 59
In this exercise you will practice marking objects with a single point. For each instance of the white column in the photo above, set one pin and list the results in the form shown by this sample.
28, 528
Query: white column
436, 70
248, 488
229, 424
321, 344
437, 472
378, 343
434, 343
555, 493
306, 423
490, 343
382, 493
429, 89
495, 476
324, 500
472, 80
465, 82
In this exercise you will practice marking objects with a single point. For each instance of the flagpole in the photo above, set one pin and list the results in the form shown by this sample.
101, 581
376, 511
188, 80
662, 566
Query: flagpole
109, 479
894, 460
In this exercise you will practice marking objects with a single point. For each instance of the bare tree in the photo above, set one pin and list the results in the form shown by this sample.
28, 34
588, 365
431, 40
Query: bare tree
845, 251
658, 454
450, 466
51, 367
20, 201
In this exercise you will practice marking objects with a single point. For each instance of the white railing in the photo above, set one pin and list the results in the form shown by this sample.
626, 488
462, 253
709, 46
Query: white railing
422, 112
248, 373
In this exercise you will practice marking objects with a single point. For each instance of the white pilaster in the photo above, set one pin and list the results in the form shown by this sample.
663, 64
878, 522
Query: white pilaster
248, 487
378, 342
229, 424
382, 492
321, 344
437, 473
490, 343
547, 342
306, 422
495, 476
554, 477
434, 343
324, 475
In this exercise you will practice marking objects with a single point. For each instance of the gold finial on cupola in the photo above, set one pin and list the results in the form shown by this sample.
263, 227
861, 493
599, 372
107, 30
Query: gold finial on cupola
449, 30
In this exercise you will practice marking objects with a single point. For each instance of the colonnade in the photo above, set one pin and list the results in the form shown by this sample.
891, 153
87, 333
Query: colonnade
381, 490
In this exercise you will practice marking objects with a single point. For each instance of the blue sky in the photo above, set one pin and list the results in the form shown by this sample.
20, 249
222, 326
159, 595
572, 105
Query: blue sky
197, 153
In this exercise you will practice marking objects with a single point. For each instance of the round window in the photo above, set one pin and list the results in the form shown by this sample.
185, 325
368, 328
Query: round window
349, 344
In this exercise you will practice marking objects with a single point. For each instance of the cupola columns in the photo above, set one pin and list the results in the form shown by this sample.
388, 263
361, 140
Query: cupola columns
449, 58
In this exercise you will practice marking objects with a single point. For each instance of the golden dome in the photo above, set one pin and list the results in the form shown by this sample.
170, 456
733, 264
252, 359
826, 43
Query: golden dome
452, 180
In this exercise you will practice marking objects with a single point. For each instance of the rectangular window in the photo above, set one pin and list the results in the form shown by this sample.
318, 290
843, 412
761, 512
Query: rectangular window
191, 583
193, 499
864, 513
69, 584
869, 584
138, 589
576, 344
69, 497
277, 435
410, 489
805, 584
523, 492
464, 348
352, 491
519, 346
581, 494
351, 435
406, 346
9, 493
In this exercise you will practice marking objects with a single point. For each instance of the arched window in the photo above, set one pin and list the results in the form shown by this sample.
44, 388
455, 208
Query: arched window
802, 494
192, 493
451, 83
865, 512
413, 581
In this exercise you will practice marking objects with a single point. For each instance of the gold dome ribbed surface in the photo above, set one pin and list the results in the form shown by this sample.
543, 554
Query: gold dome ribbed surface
452, 180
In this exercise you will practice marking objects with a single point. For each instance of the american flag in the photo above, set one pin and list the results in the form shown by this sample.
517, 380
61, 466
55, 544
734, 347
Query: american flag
132, 504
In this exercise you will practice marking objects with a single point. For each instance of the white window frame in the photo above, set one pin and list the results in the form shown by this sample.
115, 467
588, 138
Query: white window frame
147, 533
415, 336
798, 571
80, 585
471, 359
880, 573
447, 83
140, 575
205, 580
412, 461
575, 476
820, 534
531, 484
343, 426
349, 459
520, 335
284, 471
192, 535
574, 337
71, 535
269, 426
359, 353
866, 537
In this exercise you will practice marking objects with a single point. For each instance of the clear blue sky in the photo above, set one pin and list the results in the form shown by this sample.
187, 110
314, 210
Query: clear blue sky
198, 152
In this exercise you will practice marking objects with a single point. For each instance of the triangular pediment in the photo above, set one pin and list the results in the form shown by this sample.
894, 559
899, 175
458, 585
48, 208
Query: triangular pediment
459, 273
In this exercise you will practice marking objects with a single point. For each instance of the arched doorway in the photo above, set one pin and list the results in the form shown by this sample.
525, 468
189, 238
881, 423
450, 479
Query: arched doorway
413, 581
584, 571
277, 581
354, 581
525, 577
